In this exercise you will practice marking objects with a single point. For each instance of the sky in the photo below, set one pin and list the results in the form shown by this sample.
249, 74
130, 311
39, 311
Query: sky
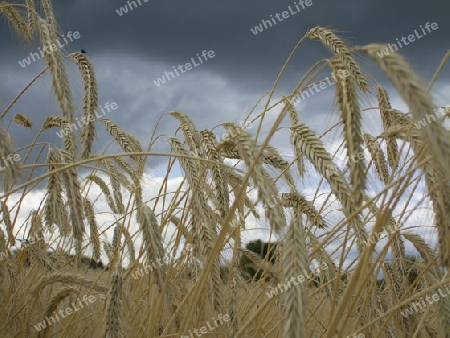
131, 49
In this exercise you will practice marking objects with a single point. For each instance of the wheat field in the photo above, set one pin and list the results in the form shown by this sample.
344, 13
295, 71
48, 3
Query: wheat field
175, 265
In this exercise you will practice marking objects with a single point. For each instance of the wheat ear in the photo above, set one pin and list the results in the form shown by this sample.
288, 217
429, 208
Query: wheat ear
55, 61
435, 181
203, 221
121, 137
104, 187
295, 261
341, 51
386, 118
31, 17
23, 120
48, 10
304, 206
115, 180
12, 168
113, 314
16, 20
410, 87
190, 132
66, 131
93, 230
293, 115
53, 304
122, 230
351, 120
267, 190
6, 218
90, 102
377, 157
313, 148
75, 200
67, 278
153, 242
55, 210
219, 177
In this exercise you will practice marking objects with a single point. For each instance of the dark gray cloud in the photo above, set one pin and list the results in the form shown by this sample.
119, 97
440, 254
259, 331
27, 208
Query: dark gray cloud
130, 51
